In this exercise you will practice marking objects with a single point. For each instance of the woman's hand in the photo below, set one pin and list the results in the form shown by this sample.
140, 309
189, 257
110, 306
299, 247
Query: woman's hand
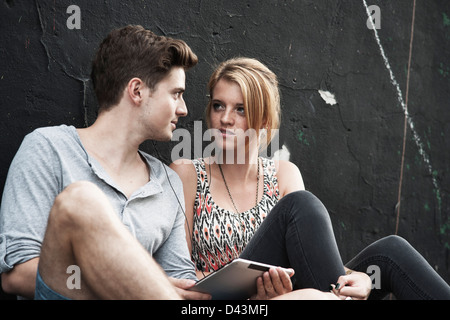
273, 283
356, 285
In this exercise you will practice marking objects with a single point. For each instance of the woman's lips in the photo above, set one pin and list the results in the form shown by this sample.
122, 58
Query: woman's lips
227, 132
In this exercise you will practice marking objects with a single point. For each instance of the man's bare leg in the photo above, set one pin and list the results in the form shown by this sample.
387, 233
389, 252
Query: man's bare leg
84, 230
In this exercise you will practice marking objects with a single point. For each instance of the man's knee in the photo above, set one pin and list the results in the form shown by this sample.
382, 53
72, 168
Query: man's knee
75, 200
81, 190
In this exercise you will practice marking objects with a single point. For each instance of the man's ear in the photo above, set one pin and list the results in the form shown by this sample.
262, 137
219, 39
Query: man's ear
135, 90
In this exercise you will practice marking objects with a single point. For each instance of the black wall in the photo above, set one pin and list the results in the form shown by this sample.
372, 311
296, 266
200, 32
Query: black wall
350, 153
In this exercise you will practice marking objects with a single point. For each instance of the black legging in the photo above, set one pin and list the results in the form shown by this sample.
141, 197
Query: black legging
298, 234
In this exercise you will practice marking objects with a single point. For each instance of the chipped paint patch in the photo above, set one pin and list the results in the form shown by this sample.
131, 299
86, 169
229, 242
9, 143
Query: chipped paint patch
328, 97
282, 154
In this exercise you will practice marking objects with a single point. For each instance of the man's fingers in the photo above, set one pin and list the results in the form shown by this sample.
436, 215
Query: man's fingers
182, 286
182, 283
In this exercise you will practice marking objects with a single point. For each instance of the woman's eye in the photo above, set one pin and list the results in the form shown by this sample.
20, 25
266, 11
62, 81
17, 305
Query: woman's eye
240, 110
217, 106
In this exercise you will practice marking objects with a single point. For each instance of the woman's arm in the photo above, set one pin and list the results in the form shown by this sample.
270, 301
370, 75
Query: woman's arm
186, 171
354, 284
289, 177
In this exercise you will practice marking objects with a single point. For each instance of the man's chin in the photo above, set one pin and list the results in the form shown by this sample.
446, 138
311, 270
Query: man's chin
163, 139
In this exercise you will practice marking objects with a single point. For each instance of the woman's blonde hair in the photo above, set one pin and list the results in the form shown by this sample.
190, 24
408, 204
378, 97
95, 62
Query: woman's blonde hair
259, 86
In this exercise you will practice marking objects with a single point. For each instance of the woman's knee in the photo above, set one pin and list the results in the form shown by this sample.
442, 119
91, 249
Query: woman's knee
391, 243
305, 205
392, 247
300, 198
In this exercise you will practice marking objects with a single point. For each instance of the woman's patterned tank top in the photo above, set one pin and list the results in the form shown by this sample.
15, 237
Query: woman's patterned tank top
219, 235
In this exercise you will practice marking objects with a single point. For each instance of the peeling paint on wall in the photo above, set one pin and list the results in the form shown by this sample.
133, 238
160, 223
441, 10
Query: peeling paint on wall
328, 97
282, 154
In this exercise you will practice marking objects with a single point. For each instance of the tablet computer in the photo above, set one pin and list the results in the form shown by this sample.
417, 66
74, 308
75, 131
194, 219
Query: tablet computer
234, 281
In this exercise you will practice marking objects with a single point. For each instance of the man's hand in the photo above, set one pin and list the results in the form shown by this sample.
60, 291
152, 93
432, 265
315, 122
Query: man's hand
356, 285
273, 283
182, 286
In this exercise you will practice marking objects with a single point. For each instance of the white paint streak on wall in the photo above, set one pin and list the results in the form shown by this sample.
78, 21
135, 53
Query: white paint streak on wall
328, 97
394, 82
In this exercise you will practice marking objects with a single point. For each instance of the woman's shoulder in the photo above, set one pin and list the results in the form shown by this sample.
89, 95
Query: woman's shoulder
285, 166
184, 168
189, 170
279, 166
289, 176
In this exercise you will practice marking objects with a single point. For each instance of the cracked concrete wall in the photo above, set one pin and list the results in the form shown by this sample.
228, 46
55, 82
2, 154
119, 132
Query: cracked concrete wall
343, 92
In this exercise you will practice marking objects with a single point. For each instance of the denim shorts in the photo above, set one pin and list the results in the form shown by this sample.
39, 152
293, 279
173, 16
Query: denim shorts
43, 292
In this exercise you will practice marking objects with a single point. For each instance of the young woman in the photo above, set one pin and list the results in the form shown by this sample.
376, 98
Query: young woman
239, 204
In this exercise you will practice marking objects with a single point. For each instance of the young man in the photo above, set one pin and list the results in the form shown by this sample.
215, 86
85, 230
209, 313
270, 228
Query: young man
88, 200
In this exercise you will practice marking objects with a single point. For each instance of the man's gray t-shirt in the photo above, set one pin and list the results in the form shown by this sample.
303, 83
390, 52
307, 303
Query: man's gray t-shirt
50, 159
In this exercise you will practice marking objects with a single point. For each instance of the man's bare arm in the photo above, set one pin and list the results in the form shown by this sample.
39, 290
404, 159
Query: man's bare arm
21, 279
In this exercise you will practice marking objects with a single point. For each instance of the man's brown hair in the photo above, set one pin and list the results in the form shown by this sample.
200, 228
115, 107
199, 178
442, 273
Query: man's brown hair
133, 51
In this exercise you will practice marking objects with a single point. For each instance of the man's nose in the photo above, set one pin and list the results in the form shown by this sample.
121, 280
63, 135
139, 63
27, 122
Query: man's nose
182, 110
